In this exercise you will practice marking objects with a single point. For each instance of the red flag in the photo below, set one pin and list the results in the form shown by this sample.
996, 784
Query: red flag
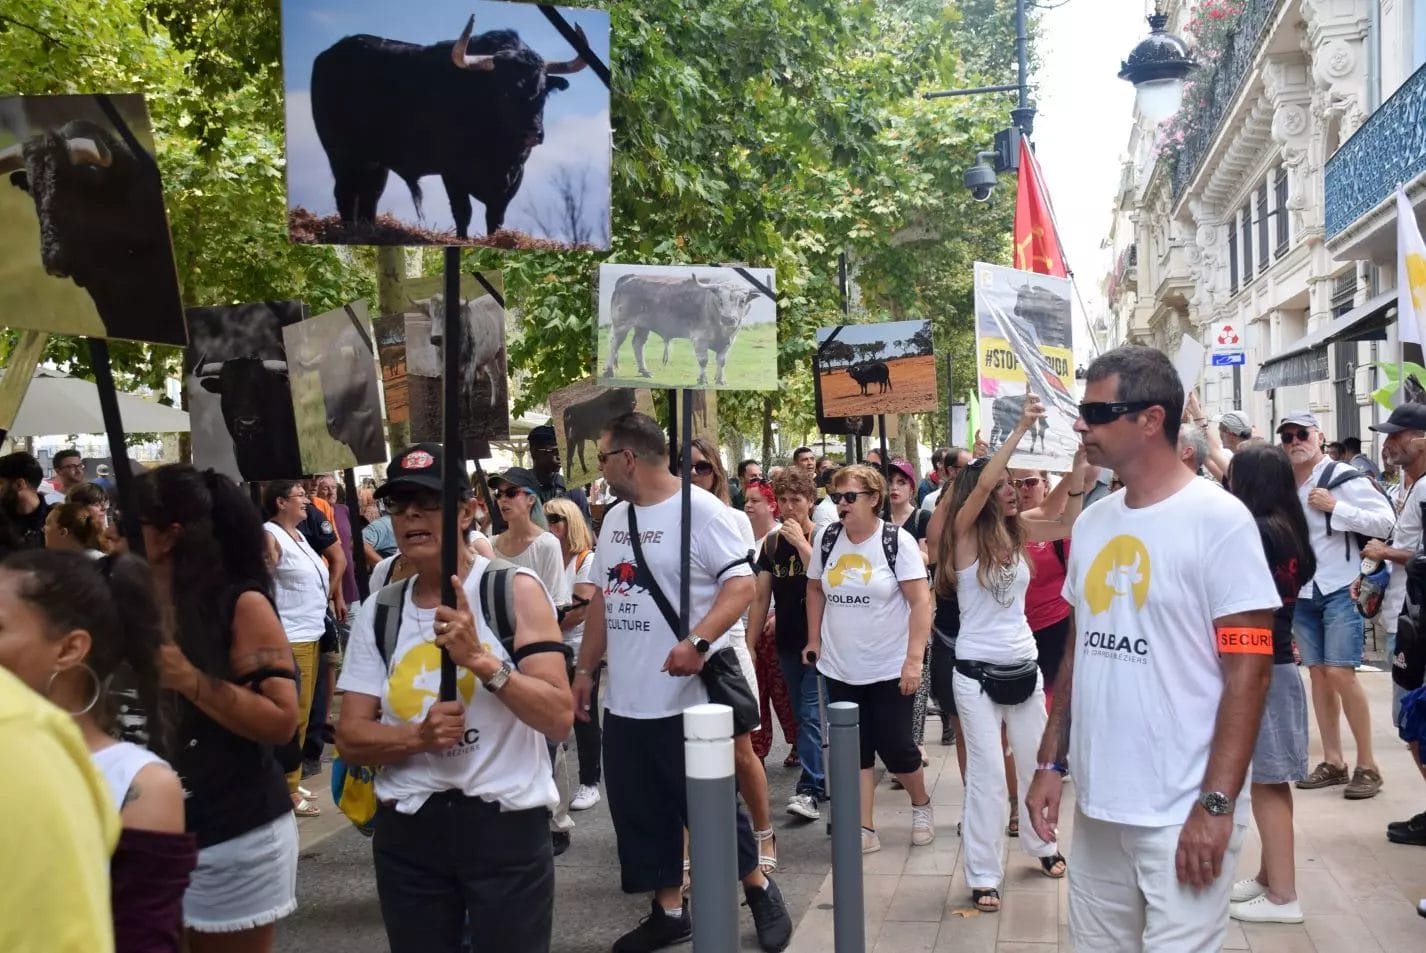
1037, 246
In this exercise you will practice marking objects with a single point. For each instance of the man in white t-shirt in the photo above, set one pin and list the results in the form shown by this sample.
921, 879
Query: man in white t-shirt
653, 676
955, 460
1172, 659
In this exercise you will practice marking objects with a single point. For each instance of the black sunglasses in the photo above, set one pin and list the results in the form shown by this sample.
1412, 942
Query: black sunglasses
1099, 413
606, 454
849, 496
1288, 436
510, 492
554, 518
428, 501
702, 467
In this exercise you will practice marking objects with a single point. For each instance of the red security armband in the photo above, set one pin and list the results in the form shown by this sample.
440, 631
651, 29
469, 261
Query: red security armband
1244, 640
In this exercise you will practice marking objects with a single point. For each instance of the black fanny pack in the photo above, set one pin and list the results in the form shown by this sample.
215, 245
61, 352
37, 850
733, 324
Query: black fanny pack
1005, 684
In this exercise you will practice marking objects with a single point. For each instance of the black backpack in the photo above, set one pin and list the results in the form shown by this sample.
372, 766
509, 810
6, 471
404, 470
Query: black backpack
497, 599
890, 542
1330, 480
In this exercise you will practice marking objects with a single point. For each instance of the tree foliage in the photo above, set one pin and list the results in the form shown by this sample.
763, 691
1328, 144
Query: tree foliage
782, 133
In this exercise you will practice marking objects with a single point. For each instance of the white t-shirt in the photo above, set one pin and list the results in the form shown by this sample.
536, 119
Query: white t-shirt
824, 513
1407, 537
1360, 509
639, 638
1146, 585
545, 559
578, 570
500, 758
381, 574
866, 620
929, 503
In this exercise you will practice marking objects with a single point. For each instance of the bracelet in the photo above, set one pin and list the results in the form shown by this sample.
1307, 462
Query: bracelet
1054, 766
1080, 493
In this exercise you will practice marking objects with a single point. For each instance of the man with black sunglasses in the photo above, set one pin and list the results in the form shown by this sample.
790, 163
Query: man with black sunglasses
1165, 675
545, 462
1339, 501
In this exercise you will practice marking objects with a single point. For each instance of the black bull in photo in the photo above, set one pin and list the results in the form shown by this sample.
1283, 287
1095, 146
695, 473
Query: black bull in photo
350, 394
708, 313
583, 422
256, 399
102, 224
469, 111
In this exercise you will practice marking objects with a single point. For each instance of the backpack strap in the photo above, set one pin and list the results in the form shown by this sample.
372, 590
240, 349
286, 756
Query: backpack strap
830, 535
890, 543
388, 623
497, 605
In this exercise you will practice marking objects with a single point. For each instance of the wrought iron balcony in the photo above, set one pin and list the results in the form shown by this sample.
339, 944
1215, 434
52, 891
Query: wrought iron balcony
1234, 64
1389, 149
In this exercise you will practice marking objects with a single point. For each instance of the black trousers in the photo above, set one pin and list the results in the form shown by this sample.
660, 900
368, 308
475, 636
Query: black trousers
1050, 643
885, 722
648, 802
460, 857
587, 735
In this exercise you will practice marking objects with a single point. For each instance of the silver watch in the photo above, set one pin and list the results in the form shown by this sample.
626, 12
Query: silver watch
502, 675
1216, 803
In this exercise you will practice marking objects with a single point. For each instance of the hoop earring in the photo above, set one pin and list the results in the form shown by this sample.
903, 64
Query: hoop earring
93, 700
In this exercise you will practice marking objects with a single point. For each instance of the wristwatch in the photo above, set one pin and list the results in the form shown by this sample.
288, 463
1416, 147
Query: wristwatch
498, 680
699, 643
1216, 803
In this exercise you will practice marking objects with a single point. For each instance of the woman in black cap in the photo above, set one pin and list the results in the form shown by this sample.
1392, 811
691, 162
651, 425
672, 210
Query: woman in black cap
527, 540
464, 787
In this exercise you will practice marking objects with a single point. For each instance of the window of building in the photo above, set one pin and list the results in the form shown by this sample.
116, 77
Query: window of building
1263, 258
1280, 207
1232, 258
1245, 216
1344, 292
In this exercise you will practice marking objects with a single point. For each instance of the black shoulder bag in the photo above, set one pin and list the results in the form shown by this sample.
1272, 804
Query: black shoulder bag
722, 675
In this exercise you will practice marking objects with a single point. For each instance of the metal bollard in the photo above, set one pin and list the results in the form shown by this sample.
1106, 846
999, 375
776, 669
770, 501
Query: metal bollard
844, 786
712, 826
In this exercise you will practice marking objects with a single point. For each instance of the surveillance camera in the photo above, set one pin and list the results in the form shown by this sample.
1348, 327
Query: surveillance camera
980, 180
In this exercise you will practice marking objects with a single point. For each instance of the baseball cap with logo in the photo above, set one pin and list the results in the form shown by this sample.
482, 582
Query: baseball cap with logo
417, 467
1299, 418
1405, 417
1236, 422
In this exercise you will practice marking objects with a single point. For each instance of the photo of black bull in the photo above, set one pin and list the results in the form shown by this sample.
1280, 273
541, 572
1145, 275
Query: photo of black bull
707, 313
583, 422
1005, 414
350, 394
469, 110
256, 400
871, 372
99, 203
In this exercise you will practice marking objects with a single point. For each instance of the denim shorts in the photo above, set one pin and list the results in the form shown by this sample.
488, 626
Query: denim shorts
1281, 752
1328, 629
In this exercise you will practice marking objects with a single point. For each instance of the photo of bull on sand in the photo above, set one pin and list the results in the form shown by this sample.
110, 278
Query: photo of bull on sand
869, 369
716, 327
336, 394
489, 121
82, 222
239, 390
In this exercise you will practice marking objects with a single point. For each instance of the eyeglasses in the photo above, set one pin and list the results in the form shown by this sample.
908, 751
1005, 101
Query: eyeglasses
1028, 483
1288, 436
298, 497
1099, 413
606, 454
702, 467
510, 492
427, 501
70, 466
553, 518
849, 496
546, 451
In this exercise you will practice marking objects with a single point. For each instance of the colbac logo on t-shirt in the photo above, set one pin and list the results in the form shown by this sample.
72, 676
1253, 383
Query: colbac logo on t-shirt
850, 568
1120, 569
415, 682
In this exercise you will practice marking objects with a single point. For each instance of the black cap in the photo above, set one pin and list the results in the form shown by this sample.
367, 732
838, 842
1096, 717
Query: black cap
517, 476
418, 467
542, 436
1405, 417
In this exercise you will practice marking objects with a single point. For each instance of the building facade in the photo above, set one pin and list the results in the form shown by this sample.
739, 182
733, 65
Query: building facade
1272, 210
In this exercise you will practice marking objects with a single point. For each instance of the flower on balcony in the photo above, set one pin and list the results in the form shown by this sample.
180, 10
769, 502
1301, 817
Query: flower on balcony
1210, 27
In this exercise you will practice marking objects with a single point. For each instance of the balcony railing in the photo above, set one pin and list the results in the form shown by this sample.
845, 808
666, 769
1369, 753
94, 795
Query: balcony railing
1234, 63
1389, 149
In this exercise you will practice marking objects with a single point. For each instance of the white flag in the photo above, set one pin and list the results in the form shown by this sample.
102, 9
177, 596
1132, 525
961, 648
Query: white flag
1411, 291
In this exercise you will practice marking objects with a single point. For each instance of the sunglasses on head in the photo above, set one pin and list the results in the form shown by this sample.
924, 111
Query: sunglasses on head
1026, 483
1099, 413
849, 496
428, 501
510, 492
1288, 436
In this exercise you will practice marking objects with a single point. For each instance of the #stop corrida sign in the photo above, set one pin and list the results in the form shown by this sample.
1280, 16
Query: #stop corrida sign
1023, 344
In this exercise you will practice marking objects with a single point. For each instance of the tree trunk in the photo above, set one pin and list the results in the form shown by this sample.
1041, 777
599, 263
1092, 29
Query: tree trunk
767, 429
390, 270
911, 437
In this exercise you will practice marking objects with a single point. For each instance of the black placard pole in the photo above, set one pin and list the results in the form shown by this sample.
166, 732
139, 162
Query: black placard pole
118, 452
686, 512
674, 466
453, 466
356, 524
885, 468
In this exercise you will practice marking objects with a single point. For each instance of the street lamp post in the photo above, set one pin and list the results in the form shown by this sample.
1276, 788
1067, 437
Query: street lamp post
1157, 67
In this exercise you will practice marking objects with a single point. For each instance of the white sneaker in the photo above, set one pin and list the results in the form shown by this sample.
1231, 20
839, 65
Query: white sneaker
1245, 890
586, 797
804, 805
870, 842
1262, 910
923, 825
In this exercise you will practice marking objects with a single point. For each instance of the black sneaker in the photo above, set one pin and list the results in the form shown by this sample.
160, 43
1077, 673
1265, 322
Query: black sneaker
559, 842
656, 931
1411, 832
770, 916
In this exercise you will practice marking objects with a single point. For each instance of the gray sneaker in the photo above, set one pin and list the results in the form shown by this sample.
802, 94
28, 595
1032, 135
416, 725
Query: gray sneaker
804, 805
1323, 776
1365, 783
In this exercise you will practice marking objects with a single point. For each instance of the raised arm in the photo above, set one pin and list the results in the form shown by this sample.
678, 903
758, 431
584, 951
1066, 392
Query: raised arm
994, 469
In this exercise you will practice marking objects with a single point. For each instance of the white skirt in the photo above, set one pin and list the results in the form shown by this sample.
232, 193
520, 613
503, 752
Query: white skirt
246, 882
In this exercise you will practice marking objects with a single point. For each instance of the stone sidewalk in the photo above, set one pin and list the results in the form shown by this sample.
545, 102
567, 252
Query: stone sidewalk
1358, 890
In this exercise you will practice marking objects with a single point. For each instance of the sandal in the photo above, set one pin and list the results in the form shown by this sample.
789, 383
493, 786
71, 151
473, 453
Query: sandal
767, 850
1013, 828
305, 808
791, 761
1053, 866
986, 901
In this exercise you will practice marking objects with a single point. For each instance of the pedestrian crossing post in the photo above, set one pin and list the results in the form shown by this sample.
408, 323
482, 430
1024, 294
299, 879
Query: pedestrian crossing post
844, 786
712, 826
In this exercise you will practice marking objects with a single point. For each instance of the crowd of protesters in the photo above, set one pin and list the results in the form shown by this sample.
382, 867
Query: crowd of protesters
1171, 580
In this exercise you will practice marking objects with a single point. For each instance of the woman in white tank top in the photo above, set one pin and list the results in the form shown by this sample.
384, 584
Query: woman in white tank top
998, 689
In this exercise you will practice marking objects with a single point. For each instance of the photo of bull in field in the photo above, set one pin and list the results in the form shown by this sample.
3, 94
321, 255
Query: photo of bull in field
863, 370
488, 105
716, 327
239, 390
579, 414
336, 394
82, 221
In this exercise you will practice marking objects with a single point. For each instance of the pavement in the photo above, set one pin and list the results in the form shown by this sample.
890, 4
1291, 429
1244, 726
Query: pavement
1358, 890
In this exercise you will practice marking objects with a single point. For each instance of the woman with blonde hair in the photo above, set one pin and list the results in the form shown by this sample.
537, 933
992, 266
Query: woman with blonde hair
75, 528
577, 544
868, 619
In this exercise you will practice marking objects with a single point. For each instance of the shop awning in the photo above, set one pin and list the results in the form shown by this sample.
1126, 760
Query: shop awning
1306, 362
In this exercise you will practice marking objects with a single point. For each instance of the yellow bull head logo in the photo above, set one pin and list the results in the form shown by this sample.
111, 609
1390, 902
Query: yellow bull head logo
1121, 569
850, 568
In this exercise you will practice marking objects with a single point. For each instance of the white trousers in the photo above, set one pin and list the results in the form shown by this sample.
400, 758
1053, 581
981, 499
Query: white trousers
987, 810
1124, 894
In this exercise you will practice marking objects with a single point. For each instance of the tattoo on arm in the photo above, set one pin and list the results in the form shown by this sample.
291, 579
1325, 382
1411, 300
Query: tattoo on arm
264, 657
131, 795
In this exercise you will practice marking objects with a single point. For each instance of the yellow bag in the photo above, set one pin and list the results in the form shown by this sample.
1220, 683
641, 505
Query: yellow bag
354, 792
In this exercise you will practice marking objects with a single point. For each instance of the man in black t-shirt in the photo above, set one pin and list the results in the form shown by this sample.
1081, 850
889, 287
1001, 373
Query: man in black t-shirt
545, 462
21, 499
782, 585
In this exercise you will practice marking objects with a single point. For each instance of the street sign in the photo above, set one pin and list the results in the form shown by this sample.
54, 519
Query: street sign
1226, 339
1228, 360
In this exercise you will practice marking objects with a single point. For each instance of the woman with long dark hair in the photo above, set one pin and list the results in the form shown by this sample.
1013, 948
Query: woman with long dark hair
760, 506
71, 623
1261, 476
235, 679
